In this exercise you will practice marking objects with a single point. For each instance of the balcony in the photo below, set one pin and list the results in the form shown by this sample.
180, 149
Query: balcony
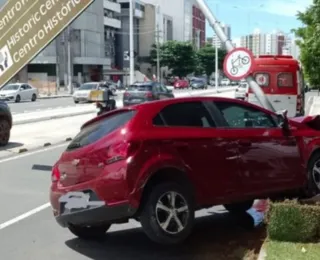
115, 7
112, 22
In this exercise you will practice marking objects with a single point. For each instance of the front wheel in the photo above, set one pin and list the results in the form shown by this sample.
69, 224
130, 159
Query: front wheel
89, 233
239, 207
34, 98
168, 214
18, 99
313, 187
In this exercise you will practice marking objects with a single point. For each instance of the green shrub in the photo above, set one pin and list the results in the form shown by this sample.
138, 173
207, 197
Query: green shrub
292, 222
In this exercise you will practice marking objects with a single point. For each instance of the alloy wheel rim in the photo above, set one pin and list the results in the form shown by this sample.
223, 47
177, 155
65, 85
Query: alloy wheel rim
172, 212
316, 174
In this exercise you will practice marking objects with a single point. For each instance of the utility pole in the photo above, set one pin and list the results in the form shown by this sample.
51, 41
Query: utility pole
131, 40
70, 86
265, 102
158, 44
58, 43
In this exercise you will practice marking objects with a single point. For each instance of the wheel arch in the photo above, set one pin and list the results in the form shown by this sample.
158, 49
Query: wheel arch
166, 174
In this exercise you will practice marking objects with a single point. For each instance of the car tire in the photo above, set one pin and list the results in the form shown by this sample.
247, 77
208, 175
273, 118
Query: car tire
18, 99
34, 98
239, 207
313, 184
152, 215
89, 233
4, 132
76, 101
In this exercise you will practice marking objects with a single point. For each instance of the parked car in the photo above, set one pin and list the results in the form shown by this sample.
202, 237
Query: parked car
198, 84
82, 94
141, 92
5, 123
241, 91
225, 82
18, 92
181, 83
139, 162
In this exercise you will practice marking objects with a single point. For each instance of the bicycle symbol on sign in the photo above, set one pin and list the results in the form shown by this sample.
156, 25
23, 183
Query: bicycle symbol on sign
238, 63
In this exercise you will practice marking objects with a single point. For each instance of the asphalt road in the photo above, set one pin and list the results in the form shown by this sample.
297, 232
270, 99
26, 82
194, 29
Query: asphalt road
43, 104
31, 233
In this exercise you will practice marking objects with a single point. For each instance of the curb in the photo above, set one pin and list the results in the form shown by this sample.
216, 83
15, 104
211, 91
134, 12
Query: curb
45, 145
262, 255
46, 118
40, 119
52, 97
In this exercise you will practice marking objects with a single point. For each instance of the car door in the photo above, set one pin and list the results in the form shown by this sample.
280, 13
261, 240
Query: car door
161, 93
29, 91
269, 159
166, 93
23, 92
186, 131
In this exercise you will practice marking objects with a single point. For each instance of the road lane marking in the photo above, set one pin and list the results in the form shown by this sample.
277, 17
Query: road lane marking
24, 216
32, 153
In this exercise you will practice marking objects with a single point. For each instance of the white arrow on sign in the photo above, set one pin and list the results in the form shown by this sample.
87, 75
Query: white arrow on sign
238, 64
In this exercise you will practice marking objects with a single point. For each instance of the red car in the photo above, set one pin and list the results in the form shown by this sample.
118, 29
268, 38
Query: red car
161, 161
181, 83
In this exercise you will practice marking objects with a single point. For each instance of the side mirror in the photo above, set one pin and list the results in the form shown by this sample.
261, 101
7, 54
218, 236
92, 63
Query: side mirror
283, 120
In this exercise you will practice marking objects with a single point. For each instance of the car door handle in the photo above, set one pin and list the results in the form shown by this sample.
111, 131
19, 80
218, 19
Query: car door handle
245, 143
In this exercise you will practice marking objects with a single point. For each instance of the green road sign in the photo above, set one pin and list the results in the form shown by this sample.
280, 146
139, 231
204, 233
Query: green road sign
29, 32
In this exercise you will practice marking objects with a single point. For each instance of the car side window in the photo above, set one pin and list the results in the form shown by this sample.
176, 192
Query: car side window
163, 88
27, 87
23, 87
241, 116
187, 114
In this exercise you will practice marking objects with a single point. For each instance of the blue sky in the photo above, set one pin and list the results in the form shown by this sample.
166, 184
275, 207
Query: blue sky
244, 16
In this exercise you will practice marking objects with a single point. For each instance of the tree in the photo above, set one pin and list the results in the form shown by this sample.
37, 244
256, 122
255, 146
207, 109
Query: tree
310, 42
206, 59
180, 57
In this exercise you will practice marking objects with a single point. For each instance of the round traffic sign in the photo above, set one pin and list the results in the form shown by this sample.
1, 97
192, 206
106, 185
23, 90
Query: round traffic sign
238, 63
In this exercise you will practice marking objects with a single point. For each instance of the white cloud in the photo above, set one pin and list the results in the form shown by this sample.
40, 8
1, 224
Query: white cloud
286, 7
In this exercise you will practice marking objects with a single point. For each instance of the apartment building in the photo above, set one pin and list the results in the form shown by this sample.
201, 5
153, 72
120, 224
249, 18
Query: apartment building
215, 40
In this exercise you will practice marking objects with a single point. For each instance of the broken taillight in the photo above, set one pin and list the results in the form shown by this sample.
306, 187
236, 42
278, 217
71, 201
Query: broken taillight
55, 175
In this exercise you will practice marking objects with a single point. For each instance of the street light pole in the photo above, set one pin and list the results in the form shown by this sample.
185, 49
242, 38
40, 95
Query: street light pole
227, 42
158, 43
70, 86
216, 61
131, 41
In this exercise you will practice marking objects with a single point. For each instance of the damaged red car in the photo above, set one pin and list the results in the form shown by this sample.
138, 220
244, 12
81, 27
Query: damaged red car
161, 161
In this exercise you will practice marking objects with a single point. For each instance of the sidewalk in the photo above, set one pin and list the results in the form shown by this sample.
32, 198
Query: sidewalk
38, 116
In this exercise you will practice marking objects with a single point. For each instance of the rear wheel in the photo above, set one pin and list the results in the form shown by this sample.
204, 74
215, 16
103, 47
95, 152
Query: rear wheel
4, 132
239, 207
313, 187
89, 233
168, 214
76, 101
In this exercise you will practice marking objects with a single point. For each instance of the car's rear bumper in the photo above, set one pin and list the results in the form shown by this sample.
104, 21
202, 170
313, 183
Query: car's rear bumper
96, 212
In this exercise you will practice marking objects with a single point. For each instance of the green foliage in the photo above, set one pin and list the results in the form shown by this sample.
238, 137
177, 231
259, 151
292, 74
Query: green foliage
153, 55
206, 59
290, 221
310, 42
179, 57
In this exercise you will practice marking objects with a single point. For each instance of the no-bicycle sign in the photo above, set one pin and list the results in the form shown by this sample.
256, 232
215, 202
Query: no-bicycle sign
238, 63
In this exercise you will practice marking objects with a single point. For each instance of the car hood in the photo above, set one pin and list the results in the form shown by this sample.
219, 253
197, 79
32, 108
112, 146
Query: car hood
7, 92
82, 92
312, 122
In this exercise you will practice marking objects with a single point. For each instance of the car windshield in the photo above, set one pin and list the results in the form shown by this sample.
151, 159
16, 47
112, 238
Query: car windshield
11, 87
197, 81
140, 87
88, 86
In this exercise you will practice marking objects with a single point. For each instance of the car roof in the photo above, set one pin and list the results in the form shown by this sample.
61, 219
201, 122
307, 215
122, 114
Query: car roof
159, 104
148, 83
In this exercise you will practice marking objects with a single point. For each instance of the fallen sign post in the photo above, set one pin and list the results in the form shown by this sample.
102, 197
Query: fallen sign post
33, 30
220, 33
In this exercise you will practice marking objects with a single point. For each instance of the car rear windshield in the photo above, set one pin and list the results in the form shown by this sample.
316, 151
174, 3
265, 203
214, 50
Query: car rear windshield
140, 88
98, 130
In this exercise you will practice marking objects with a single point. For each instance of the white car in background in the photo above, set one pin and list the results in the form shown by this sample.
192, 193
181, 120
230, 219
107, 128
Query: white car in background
82, 94
18, 92
241, 91
225, 82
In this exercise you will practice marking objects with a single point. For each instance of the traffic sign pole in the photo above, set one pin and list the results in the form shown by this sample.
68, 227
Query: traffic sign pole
220, 33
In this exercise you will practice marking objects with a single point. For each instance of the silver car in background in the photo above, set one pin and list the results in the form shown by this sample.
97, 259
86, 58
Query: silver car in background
82, 94
241, 90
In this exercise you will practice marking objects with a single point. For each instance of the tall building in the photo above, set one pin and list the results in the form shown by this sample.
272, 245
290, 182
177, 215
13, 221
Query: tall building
215, 40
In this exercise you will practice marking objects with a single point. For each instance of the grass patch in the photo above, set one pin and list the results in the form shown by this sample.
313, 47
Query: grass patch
292, 251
